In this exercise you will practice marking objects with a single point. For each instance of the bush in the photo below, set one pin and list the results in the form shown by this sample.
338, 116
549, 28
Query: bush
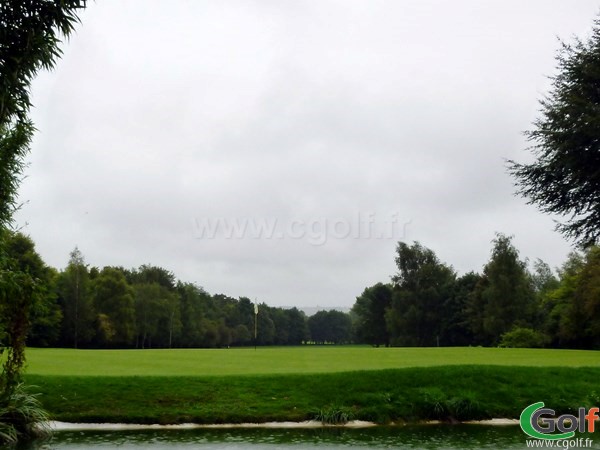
520, 337
21, 416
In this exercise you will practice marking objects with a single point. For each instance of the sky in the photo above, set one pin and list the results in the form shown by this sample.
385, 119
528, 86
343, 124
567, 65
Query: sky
280, 150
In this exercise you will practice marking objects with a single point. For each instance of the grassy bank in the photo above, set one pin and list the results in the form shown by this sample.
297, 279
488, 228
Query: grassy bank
438, 392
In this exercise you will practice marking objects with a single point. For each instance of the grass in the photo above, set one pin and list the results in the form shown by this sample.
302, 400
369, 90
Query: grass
332, 384
447, 393
287, 360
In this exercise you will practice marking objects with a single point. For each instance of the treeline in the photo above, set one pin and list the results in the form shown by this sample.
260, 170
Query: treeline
147, 307
425, 304
508, 304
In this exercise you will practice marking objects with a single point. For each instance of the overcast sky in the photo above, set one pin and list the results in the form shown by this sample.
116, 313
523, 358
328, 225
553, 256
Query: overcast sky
341, 126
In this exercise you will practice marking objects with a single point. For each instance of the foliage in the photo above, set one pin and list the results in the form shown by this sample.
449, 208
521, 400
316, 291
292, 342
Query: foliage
114, 303
21, 415
564, 179
422, 287
29, 41
73, 287
30, 35
25, 297
505, 295
334, 415
460, 311
330, 327
370, 309
520, 337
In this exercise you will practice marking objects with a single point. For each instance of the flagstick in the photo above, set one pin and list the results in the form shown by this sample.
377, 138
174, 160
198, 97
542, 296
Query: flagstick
255, 323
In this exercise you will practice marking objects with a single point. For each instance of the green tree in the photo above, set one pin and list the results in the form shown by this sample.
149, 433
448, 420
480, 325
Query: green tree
563, 322
115, 306
25, 292
148, 273
266, 327
544, 281
564, 179
148, 309
370, 309
588, 290
45, 314
422, 287
297, 326
193, 302
29, 41
330, 327
505, 294
575, 304
76, 299
456, 322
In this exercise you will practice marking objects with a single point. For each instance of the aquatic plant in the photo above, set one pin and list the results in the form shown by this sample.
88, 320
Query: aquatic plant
22, 416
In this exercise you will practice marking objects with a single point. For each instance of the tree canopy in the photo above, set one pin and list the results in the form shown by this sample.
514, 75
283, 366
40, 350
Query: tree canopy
565, 177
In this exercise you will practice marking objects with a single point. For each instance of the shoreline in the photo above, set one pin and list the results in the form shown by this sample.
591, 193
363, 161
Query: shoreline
308, 424
450, 394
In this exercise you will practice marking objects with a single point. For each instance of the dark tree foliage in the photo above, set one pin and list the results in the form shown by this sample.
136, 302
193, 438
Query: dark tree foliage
370, 309
565, 177
330, 327
455, 325
505, 294
423, 288
30, 32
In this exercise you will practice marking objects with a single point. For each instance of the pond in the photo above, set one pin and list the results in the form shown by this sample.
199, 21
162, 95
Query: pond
399, 437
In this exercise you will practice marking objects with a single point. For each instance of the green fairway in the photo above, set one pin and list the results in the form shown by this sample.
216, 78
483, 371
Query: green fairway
286, 360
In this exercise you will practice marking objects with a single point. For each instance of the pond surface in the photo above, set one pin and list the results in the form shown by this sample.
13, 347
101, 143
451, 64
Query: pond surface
400, 437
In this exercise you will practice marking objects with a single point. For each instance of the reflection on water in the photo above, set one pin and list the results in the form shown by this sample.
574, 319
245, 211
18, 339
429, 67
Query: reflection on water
401, 437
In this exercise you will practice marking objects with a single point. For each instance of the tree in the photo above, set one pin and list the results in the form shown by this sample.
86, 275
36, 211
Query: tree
459, 311
298, 326
588, 290
45, 314
422, 287
330, 327
564, 179
265, 327
148, 273
20, 290
505, 294
370, 309
575, 313
115, 306
148, 308
29, 41
193, 301
564, 318
76, 300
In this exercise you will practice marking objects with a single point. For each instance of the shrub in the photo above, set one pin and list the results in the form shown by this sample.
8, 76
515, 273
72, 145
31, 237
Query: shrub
520, 337
21, 416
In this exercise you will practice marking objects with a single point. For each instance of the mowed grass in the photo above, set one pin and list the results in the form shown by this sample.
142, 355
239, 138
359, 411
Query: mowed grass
300, 383
383, 396
286, 360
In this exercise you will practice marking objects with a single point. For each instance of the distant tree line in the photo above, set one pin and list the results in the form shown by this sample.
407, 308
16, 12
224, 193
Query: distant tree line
147, 307
425, 304
428, 304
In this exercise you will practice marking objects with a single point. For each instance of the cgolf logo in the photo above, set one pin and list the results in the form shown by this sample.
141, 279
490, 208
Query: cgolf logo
541, 423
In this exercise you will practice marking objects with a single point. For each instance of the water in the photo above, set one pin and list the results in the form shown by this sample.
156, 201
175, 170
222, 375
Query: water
450, 437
